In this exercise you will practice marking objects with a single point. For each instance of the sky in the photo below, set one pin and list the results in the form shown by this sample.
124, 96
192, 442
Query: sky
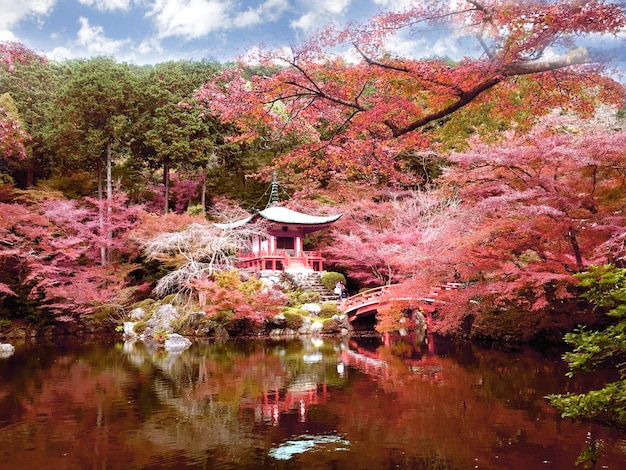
153, 31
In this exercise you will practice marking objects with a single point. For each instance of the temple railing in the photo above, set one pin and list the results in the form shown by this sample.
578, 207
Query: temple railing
279, 260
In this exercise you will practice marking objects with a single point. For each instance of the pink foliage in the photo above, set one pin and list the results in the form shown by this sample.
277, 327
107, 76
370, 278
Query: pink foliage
54, 247
548, 205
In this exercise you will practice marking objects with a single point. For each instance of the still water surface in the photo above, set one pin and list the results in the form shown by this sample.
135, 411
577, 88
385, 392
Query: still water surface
297, 404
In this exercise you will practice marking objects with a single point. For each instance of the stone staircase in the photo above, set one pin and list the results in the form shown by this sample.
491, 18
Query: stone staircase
313, 282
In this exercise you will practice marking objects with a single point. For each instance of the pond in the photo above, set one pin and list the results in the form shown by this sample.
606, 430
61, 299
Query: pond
290, 404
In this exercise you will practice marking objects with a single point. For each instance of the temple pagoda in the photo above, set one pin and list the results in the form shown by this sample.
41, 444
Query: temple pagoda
282, 249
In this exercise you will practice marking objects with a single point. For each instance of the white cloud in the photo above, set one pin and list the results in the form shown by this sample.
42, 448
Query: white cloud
107, 5
395, 4
13, 11
149, 46
190, 19
306, 22
94, 40
320, 12
268, 11
60, 54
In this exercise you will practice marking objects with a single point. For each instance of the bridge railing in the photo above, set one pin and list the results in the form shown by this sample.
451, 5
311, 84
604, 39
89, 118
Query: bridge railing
366, 297
372, 296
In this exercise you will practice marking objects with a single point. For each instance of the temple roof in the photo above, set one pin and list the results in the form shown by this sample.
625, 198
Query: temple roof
282, 215
287, 216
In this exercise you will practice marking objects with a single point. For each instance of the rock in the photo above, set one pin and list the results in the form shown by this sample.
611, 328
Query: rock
279, 321
137, 314
176, 343
6, 350
129, 330
316, 328
162, 318
312, 308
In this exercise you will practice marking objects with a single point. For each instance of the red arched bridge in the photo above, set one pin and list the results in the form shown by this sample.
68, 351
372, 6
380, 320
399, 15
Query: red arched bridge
370, 301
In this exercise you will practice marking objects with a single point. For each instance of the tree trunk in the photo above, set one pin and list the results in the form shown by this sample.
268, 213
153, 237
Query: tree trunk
203, 194
109, 199
101, 211
166, 185
571, 234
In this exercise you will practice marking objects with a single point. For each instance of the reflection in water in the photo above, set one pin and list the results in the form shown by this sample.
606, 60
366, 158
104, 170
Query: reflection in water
307, 403
306, 443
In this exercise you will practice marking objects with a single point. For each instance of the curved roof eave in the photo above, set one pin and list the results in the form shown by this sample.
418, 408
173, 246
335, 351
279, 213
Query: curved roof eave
287, 216
236, 224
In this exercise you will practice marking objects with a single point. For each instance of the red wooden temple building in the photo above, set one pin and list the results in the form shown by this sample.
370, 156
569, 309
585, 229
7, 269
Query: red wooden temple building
282, 249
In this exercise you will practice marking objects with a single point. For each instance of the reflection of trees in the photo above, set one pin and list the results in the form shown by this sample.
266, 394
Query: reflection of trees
216, 403
446, 413
204, 401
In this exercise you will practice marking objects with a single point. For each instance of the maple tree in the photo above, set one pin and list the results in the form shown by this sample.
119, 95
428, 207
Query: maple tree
368, 118
547, 205
50, 254
197, 251
387, 241
227, 297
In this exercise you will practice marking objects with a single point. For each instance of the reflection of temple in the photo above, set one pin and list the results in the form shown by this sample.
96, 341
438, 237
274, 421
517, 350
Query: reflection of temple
269, 406
283, 248
309, 387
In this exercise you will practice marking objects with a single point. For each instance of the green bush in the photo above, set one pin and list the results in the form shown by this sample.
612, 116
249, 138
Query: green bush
293, 317
330, 279
197, 209
309, 297
328, 310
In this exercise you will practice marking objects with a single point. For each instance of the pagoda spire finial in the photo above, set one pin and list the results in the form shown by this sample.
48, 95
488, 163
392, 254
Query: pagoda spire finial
274, 192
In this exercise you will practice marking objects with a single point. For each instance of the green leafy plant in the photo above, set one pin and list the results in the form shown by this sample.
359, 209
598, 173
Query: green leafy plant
293, 317
605, 288
160, 336
328, 310
331, 278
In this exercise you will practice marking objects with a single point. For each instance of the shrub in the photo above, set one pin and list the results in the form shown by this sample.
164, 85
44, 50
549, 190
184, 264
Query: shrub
331, 327
330, 279
293, 317
197, 209
328, 310
308, 297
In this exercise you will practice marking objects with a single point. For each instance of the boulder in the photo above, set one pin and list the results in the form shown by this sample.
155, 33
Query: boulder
137, 314
129, 330
312, 308
306, 326
6, 349
277, 322
161, 319
316, 328
176, 343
